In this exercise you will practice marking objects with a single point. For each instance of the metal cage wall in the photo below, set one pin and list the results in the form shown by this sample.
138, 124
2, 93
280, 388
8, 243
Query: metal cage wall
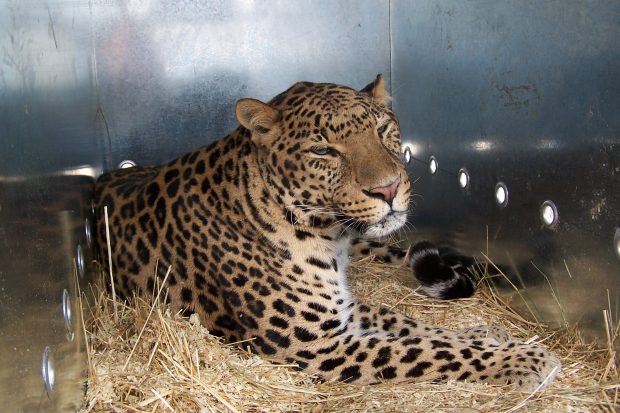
509, 113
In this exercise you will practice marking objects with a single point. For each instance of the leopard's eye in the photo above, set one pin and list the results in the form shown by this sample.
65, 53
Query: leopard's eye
381, 130
321, 150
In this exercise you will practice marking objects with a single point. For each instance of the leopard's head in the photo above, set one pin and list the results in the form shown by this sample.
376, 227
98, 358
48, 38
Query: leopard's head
330, 156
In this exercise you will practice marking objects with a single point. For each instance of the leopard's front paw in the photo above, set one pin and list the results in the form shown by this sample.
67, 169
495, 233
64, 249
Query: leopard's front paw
524, 367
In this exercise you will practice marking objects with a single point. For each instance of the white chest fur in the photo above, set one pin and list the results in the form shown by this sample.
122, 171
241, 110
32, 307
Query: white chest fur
325, 265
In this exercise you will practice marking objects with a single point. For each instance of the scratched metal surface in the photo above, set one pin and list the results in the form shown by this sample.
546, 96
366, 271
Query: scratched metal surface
526, 93
85, 84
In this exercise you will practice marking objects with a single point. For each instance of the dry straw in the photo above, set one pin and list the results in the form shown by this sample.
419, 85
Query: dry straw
153, 360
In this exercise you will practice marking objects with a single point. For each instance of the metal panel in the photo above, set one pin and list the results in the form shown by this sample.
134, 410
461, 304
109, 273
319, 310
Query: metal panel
169, 72
85, 84
49, 153
47, 99
525, 93
42, 242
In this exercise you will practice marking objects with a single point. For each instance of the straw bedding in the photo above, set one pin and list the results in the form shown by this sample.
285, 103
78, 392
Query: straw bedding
144, 358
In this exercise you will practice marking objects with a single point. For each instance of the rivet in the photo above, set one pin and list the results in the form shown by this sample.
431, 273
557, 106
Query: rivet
501, 194
433, 165
407, 155
617, 243
79, 261
463, 178
127, 163
66, 314
47, 369
548, 213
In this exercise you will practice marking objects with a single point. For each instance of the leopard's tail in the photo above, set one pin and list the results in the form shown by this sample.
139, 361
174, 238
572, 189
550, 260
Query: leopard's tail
436, 276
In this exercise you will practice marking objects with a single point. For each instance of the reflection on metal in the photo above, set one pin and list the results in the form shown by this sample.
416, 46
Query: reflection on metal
82, 170
127, 163
501, 194
547, 144
533, 105
617, 243
463, 178
48, 374
482, 145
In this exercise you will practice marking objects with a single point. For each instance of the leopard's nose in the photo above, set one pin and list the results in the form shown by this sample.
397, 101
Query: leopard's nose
387, 193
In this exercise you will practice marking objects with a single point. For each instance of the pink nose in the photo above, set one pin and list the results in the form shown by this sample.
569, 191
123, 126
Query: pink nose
387, 193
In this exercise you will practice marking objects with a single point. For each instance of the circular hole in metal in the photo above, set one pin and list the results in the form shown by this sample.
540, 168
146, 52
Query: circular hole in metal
66, 314
548, 213
47, 369
127, 163
407, 155
79, 261
463, 178
617, 243
433, 165
501, 194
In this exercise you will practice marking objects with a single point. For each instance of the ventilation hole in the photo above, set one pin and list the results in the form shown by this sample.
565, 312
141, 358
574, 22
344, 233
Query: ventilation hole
47, 370
501, 194
127, 163
548, 213
407, 155
463, 178
433, 165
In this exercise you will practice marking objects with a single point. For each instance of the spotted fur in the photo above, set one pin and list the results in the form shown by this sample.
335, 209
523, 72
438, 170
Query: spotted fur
258, 228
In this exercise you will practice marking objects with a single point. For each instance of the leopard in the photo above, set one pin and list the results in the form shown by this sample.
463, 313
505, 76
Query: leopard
255, 232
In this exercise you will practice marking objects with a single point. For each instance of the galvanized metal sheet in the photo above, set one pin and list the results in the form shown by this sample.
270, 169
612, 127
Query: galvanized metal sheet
169, 73
86, 84
526, 94
44, 250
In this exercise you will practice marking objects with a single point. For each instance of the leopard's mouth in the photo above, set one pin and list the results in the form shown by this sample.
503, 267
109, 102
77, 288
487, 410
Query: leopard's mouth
391, 222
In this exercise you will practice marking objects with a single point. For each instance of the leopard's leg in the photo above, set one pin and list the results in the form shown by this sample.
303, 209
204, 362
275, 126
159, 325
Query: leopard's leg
371, 359
394, 324
354, 354
383, 321
383, 252
438, 277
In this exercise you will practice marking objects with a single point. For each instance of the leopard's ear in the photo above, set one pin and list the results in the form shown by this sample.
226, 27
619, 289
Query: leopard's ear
376, 90
258, 117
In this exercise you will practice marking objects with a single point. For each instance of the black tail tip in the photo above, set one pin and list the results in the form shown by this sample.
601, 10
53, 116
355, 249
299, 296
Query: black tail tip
436, 278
